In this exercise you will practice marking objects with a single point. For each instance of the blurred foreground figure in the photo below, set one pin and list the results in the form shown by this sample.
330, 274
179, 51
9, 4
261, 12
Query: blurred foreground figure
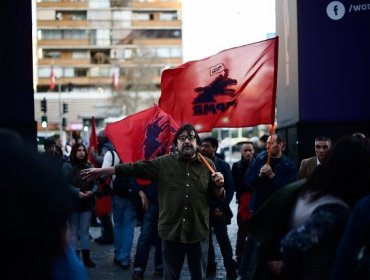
36, 204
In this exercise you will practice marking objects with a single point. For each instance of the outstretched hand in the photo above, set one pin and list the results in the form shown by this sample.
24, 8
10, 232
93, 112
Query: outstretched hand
90, 173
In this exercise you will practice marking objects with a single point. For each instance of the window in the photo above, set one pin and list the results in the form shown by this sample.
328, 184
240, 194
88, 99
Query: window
51, 54
81, 72
80, 54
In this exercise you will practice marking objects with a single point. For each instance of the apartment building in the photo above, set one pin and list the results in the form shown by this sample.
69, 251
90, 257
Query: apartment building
105, 56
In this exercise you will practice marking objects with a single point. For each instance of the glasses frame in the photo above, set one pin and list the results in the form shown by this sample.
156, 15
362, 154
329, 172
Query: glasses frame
183, 138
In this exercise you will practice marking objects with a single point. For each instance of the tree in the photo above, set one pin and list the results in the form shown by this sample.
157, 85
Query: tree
141, 87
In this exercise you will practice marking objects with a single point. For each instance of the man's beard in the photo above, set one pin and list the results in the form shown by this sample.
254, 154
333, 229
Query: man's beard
187, 151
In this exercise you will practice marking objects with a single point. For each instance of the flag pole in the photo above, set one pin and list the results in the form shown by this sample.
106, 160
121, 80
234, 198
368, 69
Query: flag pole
210, 168
271, 132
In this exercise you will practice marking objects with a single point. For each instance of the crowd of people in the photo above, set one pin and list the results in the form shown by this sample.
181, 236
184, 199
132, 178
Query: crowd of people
310, 222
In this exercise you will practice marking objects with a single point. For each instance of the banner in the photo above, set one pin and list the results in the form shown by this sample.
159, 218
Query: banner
93, 143
234, 88
144, 135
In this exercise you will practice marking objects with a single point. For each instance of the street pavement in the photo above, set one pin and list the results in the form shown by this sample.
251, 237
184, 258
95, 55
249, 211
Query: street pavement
102, 255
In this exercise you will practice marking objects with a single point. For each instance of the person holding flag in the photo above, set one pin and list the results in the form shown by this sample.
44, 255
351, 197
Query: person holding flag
185, 184
269, 172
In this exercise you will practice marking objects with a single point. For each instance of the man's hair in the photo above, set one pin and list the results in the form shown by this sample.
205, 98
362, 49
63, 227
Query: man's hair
189, 129
49, 141
345, 171
240, 144
212, 140
264, 138
279, 138
323, 138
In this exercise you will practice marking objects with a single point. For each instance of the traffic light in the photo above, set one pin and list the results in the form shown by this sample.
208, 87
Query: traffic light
44, 119
44, 105
64, 122
65, 108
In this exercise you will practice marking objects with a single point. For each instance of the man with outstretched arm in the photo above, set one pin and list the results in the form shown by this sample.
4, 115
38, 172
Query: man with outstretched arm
185, 184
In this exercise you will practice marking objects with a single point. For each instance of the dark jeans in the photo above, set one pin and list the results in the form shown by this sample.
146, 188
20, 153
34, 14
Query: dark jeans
219, 227
246, 258
106, 227
240, 239
174, 255
148, 233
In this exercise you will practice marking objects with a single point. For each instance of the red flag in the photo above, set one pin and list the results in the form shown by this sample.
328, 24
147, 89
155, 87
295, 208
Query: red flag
93, 143
144, 135
234, 88
52, 79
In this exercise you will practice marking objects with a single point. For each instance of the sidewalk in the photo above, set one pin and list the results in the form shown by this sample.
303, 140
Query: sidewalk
102, 255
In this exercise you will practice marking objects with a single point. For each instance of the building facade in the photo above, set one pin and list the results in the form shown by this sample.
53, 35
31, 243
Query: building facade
102, 58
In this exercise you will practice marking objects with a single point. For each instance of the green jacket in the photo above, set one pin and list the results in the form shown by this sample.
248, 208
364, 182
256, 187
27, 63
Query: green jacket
184, 189
269, 224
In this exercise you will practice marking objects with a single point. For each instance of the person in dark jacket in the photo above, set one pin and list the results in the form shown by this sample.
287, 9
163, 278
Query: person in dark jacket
269, 172
83, 201
238, 170
220, 213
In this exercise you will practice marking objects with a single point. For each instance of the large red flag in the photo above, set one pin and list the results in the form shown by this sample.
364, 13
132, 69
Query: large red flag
144, 135
93, 143
52, 79
234, 88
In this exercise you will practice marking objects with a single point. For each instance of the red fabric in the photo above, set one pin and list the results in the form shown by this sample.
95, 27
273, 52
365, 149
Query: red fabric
144, 135
234, 88
103, 205
93, 143
244, 212
52, 80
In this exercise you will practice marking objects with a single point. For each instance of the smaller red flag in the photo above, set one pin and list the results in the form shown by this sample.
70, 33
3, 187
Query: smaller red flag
52, 79
144, 135
93, 143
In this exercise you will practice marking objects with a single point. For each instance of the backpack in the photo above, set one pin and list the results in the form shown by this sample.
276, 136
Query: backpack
122, 187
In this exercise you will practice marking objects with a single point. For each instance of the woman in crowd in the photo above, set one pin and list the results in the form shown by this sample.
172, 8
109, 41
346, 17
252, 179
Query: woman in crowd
83, 202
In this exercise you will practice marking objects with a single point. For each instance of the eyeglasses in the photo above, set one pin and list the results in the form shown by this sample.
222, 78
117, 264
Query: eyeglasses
183, 138
324, 147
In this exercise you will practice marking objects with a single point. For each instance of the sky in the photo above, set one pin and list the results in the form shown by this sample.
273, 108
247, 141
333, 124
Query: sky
210, 26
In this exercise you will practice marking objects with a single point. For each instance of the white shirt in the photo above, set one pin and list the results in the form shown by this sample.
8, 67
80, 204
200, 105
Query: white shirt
107, 162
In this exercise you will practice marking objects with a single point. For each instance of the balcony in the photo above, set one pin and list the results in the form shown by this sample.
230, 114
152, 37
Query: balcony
62, 23
65, 4
64, 61
157, 23
71, 43
155, 5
